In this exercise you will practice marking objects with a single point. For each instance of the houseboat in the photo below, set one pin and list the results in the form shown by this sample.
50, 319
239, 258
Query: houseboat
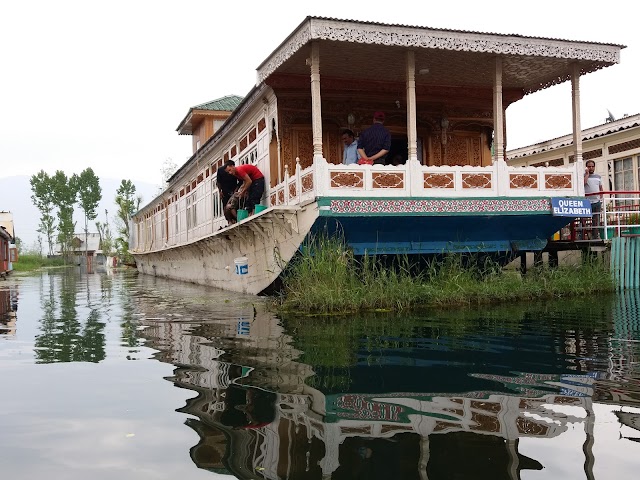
444, 94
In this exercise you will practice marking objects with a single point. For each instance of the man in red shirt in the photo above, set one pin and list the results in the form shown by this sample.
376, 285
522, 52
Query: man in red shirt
252, 186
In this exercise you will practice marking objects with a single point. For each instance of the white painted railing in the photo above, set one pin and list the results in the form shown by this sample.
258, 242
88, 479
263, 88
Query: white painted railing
323, 179
183, 222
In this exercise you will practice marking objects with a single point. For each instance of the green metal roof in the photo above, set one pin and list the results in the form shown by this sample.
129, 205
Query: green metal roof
228, 104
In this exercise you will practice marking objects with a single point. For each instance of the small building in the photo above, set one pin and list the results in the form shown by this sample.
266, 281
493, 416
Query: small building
85, 246
8, 250
614, 146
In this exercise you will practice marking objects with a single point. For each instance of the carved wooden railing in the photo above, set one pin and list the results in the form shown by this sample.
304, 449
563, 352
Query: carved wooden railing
324, 179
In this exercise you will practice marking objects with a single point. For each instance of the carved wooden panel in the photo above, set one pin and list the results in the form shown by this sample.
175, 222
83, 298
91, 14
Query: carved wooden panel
463, 149
523, 180
388, 180
347, 179
556, 180
476, 180
438, 180
623, 147
272, 199
307, 182
292, 190
280, 197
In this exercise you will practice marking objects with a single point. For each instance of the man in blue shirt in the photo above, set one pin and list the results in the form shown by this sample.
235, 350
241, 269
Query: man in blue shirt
375, 142
350, 154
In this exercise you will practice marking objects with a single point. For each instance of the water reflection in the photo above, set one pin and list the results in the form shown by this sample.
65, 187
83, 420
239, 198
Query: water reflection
436, 395
8, 309
69, 332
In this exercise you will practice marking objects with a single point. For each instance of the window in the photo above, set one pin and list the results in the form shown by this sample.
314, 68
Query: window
623, 174
250, 158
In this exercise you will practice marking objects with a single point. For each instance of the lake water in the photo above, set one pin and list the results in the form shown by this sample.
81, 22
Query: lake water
120, 376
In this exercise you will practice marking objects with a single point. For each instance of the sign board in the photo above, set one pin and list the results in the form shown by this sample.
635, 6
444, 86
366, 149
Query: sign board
571, 207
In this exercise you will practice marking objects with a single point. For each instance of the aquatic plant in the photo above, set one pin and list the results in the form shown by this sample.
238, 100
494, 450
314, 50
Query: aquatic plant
328, 278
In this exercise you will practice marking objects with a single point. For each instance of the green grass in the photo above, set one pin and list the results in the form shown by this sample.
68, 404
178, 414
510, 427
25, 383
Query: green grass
30, 262
327, 279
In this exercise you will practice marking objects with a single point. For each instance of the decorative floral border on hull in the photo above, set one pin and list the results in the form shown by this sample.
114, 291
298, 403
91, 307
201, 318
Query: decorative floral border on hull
441, 206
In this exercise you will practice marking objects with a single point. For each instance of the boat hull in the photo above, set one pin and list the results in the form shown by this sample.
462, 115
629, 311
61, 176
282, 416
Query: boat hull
268, 240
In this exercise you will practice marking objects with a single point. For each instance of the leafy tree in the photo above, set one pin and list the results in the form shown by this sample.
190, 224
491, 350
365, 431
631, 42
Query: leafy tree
106, 239
128, 204
64, 197
43, 199
89, 195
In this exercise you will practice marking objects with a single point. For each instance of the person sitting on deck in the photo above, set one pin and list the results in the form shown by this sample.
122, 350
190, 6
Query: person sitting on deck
375, 142
227, 185
252, 187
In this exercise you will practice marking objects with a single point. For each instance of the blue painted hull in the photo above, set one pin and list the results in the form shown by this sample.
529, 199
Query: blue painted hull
428, 234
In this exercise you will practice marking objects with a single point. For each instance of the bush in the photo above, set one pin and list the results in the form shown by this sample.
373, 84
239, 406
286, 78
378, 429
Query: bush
29, 262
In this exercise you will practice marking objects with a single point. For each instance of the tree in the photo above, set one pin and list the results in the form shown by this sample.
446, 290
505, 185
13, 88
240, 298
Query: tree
168, 168
106, 240
89, 195
128, 204
64, 197
43, 199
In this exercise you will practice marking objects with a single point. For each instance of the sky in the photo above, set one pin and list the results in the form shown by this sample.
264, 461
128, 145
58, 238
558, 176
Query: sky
105, 84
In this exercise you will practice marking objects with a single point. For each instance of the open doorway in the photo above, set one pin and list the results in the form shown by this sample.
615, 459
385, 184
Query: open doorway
399, 151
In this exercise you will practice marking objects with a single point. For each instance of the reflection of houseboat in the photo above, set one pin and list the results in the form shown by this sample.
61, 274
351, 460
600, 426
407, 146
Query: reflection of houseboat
444, 93
257, 417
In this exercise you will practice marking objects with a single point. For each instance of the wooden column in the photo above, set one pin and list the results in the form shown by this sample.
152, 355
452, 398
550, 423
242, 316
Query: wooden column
316, 108
575, 112
412, 135
498, 115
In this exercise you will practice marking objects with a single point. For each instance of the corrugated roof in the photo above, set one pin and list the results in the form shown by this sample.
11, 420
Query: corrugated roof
625, 123
225, 104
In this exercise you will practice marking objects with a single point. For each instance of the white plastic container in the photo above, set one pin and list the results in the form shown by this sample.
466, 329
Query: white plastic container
242, 265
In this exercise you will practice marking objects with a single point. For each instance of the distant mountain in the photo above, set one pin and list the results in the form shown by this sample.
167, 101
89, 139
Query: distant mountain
15, 197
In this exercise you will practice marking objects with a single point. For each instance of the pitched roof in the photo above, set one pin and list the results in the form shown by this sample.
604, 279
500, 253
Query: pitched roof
195, 114
225, 104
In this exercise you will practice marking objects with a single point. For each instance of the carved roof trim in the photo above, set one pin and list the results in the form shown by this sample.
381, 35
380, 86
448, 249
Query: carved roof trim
351, 31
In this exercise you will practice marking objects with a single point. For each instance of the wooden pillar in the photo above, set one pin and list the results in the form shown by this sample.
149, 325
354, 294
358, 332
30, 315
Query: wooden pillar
316, 109
412, 135
498, 114
575, 112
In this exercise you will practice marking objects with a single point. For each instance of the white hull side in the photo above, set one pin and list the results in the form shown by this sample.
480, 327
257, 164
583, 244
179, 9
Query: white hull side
269, 240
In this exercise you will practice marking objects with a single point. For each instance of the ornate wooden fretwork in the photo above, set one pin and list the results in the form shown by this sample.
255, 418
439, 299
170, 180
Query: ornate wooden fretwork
523, 180
307, 183
438, 180
425, 38
387, 180
623, 147
556, 180
476, 180
347, 180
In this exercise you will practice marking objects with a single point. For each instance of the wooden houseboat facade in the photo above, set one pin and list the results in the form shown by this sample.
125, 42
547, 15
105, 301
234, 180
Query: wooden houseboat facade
444, 94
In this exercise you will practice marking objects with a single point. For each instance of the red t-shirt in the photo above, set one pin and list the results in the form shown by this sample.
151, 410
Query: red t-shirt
251, 170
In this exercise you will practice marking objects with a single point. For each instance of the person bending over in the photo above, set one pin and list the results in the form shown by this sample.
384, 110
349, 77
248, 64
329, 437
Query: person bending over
252, 186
